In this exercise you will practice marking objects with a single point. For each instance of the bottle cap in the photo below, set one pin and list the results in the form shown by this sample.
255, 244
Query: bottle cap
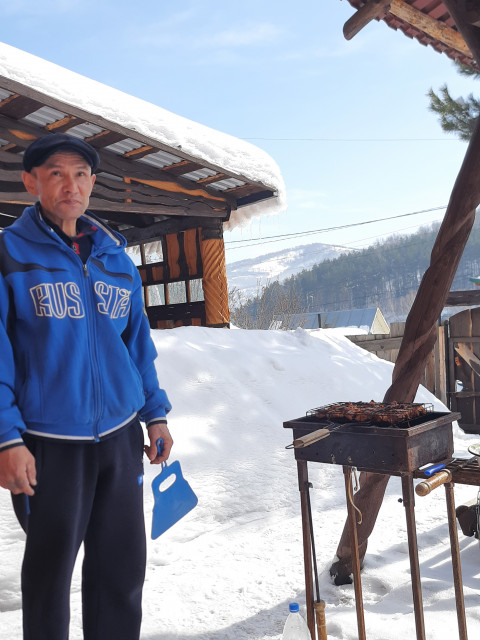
294, 608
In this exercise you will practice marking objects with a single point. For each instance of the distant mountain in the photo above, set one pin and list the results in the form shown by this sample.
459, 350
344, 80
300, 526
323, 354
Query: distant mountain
246, 275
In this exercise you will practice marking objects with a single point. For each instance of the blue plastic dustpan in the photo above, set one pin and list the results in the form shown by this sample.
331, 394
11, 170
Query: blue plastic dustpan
173, 497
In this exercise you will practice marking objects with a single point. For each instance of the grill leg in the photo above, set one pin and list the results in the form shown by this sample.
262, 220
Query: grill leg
357, 581
409, 504
456, 565
302, 470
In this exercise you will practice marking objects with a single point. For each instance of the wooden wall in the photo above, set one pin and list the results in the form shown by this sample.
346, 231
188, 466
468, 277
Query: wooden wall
187, 284
387, 346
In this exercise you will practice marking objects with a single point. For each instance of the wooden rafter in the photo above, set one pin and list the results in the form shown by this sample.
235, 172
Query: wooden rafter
433, 24
59, 126
371, 10
434, 28
17, 106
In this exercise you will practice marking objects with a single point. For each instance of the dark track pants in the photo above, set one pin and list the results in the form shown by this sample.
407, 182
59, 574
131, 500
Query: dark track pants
86, 493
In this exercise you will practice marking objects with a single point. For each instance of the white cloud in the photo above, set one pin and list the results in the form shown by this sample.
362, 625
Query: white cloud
305, 198
242, 36
179, 31
27, 8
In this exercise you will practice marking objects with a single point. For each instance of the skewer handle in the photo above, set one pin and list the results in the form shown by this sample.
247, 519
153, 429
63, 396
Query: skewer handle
426, 486
310, 438
320, 618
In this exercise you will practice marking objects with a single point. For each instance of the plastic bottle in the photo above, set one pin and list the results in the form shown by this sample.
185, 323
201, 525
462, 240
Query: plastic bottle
295, 626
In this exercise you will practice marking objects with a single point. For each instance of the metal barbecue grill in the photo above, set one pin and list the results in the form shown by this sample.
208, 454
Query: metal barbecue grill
376, 437
392, 439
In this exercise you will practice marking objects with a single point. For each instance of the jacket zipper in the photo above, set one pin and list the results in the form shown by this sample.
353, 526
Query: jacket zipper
93, 350
88, 296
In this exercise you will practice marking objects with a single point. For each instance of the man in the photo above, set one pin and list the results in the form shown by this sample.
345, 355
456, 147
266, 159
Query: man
77, 374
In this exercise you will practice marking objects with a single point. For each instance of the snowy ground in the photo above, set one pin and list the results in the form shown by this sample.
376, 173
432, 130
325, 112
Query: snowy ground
228, 570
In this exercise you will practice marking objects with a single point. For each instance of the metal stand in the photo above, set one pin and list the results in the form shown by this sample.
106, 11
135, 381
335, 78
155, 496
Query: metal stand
456, 565
409, 504
302, 470
352, 525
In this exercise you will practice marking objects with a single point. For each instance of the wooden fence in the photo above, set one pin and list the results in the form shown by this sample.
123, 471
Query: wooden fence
386, 347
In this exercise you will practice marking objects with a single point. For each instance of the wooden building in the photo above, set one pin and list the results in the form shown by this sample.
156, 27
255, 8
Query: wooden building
167, 184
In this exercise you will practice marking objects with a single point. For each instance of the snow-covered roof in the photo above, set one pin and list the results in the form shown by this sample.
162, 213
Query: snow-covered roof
150, 123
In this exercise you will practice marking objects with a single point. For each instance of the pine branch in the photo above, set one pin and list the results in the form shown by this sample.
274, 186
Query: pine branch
456, 115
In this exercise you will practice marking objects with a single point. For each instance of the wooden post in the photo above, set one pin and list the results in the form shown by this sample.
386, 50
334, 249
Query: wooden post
441, 366
421, 325
420, 328
215, 287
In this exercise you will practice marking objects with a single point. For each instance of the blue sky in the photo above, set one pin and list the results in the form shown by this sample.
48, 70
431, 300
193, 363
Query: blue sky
347, 122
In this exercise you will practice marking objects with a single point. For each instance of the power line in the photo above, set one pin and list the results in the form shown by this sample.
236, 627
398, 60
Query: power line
355, 139
301, 234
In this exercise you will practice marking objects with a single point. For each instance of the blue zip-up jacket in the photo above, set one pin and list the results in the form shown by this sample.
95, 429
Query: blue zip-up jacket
76, 356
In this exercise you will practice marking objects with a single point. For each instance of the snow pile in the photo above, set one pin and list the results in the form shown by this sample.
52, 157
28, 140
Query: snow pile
220, 149
228, 570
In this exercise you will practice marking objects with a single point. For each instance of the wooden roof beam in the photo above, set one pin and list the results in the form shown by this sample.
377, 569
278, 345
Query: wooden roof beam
60, 126
215, 178
183, 167
376, 9
158, 230
105, 138
371, 10
433, 28
177, 208
17, 106
136, 154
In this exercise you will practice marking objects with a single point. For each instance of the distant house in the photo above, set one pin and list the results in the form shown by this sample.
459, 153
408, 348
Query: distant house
370, 320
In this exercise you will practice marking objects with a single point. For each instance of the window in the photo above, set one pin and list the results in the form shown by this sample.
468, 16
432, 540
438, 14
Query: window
196, 290
156, 295
177, 292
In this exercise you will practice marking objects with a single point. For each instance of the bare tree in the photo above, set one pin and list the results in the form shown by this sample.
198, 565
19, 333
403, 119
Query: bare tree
274, 307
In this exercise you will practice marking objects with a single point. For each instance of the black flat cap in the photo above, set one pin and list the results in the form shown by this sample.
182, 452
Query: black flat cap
42, 148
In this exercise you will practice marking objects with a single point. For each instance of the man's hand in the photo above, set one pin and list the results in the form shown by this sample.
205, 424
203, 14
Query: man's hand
155, 432
17, 470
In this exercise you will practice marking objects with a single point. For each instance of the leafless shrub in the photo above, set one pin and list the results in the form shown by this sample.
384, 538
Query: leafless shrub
273, 307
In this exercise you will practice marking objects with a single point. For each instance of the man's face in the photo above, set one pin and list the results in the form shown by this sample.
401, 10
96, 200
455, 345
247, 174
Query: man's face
63, 184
